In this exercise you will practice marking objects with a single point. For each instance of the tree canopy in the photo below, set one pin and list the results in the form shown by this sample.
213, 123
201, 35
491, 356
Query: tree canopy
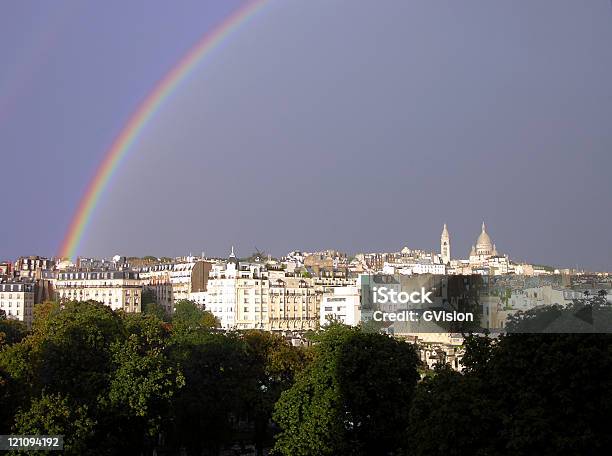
119, 383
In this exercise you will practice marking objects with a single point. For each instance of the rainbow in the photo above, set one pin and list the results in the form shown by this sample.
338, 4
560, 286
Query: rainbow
139, 119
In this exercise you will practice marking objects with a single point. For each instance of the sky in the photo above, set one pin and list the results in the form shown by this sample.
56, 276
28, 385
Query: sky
348, 124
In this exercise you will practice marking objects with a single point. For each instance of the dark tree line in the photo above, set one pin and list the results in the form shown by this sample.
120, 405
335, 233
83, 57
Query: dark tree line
125, 384
116, 383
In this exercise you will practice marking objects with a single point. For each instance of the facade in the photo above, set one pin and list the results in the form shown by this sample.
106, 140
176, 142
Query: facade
429, 267
342, 304
172, 282
221, 295
17, 300
120, 290
294, 304
251, 284
33, 266
267, 296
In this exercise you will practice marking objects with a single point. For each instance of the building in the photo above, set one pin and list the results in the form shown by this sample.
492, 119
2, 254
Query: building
33, 266
17, 299
484, 248
294, 304
118, 289
221, 295
445, 251
428, 267
341, 304
251, 296
6, 269
265, 295
172, 282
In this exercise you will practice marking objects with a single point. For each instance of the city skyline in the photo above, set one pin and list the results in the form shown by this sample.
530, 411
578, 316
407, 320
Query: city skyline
443, 251
437, 114
484, 257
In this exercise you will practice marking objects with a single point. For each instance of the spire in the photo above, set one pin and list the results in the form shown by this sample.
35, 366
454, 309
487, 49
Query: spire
232, 257
445, 248
445, 230
484, 227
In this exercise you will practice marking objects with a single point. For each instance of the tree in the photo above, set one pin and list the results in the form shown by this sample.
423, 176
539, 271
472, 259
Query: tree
273, 363
155, 309
205, 410
11, 331
188, 316
54, 414
17, 379
143, 381
6, 411
71, 349
449, 417
353, 399
520, 394
209, 320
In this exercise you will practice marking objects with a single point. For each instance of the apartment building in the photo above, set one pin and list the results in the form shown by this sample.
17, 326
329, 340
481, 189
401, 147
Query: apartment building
238, 294
341, 304
172, 282
294, 303
119, 289
258, 295
17, 300
33, 266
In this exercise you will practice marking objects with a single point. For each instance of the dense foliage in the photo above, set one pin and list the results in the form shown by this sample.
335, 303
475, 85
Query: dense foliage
141, 384
116, 383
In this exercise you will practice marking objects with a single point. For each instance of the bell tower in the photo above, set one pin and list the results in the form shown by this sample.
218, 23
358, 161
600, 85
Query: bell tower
445, 251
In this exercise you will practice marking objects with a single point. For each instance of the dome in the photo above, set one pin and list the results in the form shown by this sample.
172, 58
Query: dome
484, 245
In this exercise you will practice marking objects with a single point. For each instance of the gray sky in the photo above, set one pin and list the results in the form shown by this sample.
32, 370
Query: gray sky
357, 125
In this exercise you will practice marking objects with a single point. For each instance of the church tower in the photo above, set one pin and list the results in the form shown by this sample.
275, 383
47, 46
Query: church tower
445, 245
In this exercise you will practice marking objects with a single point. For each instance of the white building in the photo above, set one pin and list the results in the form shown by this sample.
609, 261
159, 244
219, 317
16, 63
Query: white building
117, 289
342, 304
17, 300
221, 293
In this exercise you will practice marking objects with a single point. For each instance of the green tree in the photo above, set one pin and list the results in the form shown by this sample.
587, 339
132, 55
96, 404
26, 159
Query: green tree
449, 417
189, 316
273, 364
54, 414
71, 349
353, 399
16, 382
205, 409
153, 308
11, 331
143, 381
520, 394
209, 320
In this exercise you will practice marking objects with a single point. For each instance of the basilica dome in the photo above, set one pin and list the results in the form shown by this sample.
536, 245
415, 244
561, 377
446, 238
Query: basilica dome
484, 245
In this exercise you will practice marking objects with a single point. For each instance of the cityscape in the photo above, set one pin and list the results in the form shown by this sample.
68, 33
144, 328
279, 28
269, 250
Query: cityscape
299, 292
316, 228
